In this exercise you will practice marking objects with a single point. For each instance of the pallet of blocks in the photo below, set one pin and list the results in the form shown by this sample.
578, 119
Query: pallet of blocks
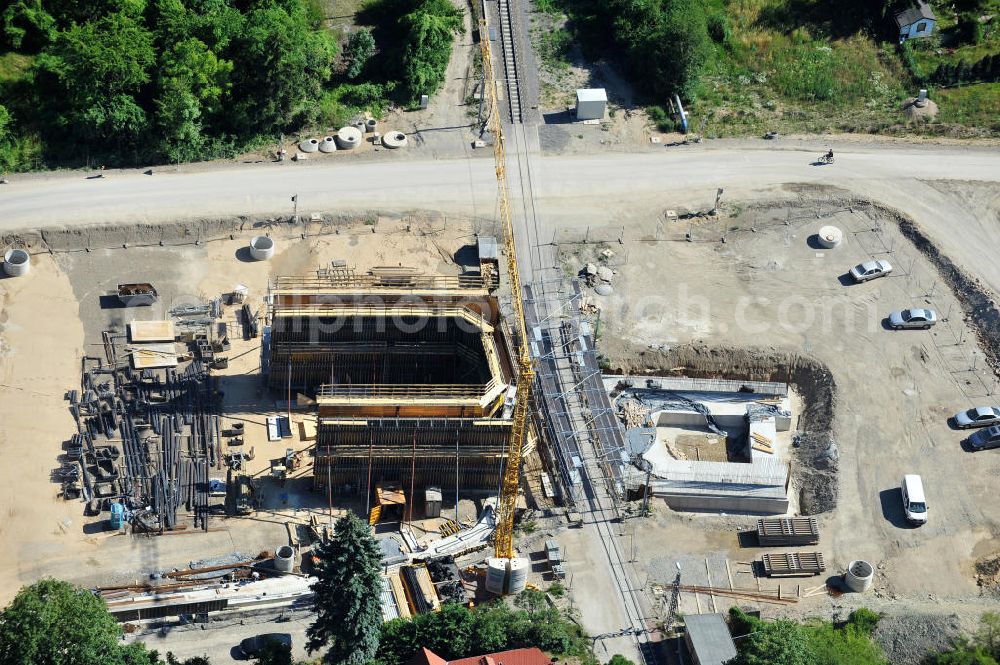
787, 531
793, 564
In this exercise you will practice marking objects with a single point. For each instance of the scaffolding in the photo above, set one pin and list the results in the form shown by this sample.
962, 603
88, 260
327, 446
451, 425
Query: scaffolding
356, 454
576, 412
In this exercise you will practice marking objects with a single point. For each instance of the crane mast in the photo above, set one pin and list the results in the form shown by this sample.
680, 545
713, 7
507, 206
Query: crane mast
504, 536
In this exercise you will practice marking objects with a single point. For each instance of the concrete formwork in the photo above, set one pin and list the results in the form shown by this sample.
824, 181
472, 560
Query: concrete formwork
411, 375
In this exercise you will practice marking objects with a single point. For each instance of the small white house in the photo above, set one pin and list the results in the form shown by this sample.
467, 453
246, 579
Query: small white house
591, 103
915, 21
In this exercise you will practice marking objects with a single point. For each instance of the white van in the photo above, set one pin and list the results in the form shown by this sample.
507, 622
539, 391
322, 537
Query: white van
914, 502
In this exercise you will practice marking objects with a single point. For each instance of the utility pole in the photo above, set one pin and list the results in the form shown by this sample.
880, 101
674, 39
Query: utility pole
295, 208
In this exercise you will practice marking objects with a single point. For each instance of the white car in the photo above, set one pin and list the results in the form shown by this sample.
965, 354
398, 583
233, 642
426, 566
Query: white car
981, 416
913, 318
870, 270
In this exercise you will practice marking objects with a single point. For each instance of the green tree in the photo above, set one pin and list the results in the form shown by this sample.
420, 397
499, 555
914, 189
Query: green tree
347, 595
666, 42
205, 75
26, 25
774, 643
275, 653
56, 623
94, 72
619, 659
360, 49
178, 115
280, 66
430, 30
449, 635
988, 634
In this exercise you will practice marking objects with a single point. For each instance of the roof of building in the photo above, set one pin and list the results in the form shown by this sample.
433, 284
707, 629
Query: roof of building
532, 656
488, 248
591, 95
426, 657
918, 12
709, 638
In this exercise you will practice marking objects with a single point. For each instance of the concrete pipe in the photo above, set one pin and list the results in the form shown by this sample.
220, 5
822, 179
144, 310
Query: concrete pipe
284, 559
16, 262
496, 575
309, 145
394, 139
518, 580
371, 124
261, 248
328, 144
859, 576
829, 237
348, 138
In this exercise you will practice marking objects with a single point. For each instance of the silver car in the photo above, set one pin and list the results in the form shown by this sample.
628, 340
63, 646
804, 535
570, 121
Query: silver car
981, 416
985, 438
913, 318
870, 270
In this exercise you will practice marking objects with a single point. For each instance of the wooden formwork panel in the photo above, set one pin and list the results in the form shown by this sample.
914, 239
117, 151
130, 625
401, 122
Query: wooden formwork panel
793, 564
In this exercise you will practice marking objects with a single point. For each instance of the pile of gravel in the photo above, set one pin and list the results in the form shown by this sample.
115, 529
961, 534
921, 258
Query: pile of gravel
988, 575
909, 639
816, 472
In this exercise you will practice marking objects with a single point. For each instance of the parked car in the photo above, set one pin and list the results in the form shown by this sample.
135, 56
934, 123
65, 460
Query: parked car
914, 503
985, 438
252, 646
870, 270
981, 416
913, 318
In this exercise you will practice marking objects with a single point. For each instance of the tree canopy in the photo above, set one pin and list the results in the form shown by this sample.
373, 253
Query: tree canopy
130, 80
347, 595
458, 632
56, 623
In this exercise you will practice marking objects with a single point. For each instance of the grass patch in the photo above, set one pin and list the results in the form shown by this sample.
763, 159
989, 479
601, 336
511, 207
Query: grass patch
811, 66
14, 67
973, 106
764, 78
548, 6
553, 48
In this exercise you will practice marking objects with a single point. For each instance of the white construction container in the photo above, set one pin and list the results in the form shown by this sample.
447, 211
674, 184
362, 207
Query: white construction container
591, 103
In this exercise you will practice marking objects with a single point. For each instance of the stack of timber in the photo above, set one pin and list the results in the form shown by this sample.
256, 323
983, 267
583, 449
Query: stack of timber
793, 564
787, 531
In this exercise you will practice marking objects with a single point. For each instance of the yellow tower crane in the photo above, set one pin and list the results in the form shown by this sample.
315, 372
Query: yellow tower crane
504, 535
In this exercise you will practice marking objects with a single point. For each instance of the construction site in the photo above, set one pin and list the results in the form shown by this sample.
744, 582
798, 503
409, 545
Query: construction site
645, 399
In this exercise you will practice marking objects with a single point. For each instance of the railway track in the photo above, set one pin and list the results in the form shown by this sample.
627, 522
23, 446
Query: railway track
507, 44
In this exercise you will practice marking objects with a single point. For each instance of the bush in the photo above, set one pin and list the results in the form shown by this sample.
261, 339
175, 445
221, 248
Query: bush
430, 28
360, 48
864, 620
718, 28
969, 30
661, 118
910, 62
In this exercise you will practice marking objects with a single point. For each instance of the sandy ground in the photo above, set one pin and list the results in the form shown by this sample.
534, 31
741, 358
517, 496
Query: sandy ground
55, 315
767, 287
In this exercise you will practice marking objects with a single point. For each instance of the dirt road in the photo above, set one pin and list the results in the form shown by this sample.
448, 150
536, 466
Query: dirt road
923, 181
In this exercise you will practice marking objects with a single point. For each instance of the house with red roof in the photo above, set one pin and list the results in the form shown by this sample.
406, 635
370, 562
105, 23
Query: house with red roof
532, 656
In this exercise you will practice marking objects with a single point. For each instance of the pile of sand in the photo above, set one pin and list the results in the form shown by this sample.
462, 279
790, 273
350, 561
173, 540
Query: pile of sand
914, 113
